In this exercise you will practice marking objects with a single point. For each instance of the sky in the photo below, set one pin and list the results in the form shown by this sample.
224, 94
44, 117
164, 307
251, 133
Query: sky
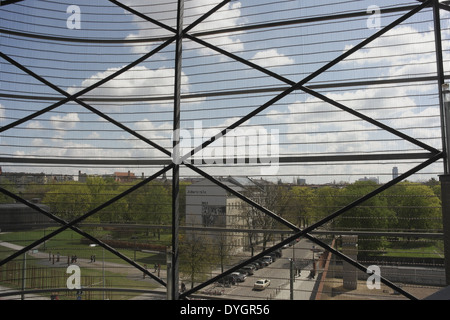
102, 38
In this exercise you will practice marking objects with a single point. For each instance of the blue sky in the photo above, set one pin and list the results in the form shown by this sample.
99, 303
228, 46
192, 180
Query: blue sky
306, 125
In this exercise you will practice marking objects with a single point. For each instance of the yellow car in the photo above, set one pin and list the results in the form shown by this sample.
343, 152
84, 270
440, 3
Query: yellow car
261, 284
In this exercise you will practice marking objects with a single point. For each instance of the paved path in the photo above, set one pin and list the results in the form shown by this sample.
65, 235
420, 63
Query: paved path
44, 259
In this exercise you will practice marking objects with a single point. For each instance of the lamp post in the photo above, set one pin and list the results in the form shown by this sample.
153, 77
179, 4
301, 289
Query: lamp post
169, 260
103, 266
291, 281
24, 268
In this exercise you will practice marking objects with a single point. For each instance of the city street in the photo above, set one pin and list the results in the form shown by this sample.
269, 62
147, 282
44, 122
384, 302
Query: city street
279, 275
277, 272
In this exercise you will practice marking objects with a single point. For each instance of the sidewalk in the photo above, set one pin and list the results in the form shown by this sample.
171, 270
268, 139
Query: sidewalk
302, 288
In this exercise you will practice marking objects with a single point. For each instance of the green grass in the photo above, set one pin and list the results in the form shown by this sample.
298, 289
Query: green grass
69, 243
416, 250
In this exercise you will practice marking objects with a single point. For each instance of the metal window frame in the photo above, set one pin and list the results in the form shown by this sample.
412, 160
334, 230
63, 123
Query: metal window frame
431, 156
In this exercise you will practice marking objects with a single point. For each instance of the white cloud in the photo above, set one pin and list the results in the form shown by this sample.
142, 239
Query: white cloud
2, 112
34, 125
401, 52
137, 82
397, 45
67, 121
314, 126
271, 58
152, 131
228, 16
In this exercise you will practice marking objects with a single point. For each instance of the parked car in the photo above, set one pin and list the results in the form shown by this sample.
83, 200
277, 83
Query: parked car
277, 254
227, 280
251, 266
243, 271
261, 284
263, 263
268, 259
239, 276
249, 270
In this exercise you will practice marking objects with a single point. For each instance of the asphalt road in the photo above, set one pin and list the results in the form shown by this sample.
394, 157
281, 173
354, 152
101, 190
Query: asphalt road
279, 274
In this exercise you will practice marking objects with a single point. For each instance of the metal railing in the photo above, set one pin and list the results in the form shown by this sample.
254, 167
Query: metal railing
174, 160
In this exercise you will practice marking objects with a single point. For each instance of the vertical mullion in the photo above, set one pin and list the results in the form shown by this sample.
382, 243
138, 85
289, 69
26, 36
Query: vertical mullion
176, 141
440, 75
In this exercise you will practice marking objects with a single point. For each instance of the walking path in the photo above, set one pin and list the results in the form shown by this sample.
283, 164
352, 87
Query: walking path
51, 260
302, 286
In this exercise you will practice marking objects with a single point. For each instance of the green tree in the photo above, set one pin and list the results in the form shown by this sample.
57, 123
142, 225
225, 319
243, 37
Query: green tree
223, 249
8, 185
69, 200
273, 197
372, 215
151, 204
325, 202
35, 191
196, 258
301, 205
416, 206
101, 191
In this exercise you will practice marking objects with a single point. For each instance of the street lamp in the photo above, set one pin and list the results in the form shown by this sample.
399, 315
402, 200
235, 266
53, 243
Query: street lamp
169, 260
291, 281
24, 267
103, 266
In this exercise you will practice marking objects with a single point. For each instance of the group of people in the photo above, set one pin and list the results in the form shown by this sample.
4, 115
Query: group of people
157, 269
70, 260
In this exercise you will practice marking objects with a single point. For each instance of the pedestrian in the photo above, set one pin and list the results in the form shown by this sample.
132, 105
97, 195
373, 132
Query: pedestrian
145, 267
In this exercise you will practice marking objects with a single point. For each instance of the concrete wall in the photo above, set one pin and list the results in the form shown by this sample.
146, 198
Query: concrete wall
432, 276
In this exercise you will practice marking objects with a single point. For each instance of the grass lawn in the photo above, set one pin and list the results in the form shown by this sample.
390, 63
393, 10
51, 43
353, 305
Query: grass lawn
416, 250
69, 243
